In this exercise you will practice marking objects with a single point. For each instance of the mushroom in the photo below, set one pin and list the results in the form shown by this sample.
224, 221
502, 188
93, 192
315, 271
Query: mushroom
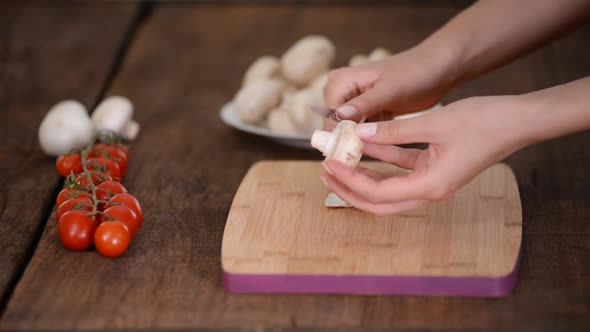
254, 100
114, 114
66, 127
357, 60
341, 144
307, 59
379, 54
265, 67
279, 121
298, 106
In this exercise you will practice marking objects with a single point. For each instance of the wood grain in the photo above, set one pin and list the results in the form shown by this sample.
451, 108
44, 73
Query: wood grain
47, 54
278, 225
186, 62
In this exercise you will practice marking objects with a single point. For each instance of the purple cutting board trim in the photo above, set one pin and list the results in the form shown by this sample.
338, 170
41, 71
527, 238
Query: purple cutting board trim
388, 285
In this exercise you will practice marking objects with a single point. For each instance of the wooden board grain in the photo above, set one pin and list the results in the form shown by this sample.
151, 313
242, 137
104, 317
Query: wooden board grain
47, 54
278, 229
181, 68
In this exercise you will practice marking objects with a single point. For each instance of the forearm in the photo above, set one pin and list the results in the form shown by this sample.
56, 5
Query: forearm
555, 112
494, 32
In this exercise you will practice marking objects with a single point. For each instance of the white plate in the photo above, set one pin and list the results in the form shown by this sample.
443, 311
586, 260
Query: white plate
230, 118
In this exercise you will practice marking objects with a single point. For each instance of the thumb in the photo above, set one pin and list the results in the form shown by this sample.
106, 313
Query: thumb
371, 102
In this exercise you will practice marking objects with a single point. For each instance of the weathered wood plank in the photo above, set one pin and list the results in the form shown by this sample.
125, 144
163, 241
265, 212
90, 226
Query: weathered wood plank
47, 54
186, 166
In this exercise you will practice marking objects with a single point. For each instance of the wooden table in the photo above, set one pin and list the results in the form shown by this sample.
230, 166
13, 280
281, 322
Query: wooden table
179, 63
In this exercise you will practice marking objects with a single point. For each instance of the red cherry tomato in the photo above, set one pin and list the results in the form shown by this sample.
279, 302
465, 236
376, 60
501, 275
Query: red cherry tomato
124, 215
69, 193
68, 164
81, 180
108, 189
75, 204
114, 153
111, 239
76, 230
106, 166
129, 201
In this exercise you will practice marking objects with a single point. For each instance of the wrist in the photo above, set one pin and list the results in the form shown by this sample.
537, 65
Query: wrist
443, 60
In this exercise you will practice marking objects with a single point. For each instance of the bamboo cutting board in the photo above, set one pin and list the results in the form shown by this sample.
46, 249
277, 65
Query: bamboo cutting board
280, 238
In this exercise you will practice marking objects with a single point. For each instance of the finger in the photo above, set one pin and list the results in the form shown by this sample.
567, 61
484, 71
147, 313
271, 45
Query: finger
374, 100
371, 173
404, 158
329, 125
393, 189
358, 202
346, 83
406, 131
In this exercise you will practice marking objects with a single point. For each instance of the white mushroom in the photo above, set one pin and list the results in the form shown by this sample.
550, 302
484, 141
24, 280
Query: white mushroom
341, 144
279, 121
265, 67
379, 54
307, 59
357, 60
298, 105
115, 114
66, 127
254, 100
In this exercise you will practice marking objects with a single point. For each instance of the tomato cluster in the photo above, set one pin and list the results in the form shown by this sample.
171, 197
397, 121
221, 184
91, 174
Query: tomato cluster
94, 207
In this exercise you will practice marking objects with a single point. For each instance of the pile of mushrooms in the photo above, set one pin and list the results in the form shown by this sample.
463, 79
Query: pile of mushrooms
68, 127
280, 92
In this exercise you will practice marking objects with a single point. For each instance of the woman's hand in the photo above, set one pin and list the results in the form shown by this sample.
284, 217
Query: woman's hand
407, 82
464, 139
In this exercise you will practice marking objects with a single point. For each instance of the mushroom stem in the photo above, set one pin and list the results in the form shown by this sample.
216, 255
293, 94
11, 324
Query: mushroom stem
320, 139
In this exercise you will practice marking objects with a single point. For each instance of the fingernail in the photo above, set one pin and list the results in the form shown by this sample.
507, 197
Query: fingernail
327, 168
347, 111
366, 129
324, 181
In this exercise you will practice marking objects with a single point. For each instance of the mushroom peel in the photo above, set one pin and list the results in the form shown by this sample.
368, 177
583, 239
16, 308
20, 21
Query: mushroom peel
357, 60
66, 127
114, 114
265, 67
307, 59
341, 144
256, 99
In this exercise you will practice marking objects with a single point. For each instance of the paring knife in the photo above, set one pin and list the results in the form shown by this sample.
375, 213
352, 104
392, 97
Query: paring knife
330, 113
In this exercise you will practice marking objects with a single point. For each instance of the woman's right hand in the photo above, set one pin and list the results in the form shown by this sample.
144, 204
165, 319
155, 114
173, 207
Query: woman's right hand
407, 82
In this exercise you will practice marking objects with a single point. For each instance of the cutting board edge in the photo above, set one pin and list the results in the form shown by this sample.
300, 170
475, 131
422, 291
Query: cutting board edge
468, 286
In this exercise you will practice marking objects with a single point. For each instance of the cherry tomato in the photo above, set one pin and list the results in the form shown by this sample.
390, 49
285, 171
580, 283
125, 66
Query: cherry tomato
75, 204
111, 239
69, 193
124, 215
108, 189
97, 178
76, 230
67, 164
129, 201
106, 166
120, 156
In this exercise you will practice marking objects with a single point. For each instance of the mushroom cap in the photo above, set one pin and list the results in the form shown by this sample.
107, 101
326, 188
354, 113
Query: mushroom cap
265, 67
254, 100
358, 60
66, 127
307, 59
347, 148
378, 54
112, 114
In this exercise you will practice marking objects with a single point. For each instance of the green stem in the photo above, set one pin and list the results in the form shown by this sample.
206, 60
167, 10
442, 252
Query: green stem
83, 155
